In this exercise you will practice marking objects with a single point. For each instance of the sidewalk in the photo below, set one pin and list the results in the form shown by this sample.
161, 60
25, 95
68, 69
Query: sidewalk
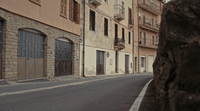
149, 102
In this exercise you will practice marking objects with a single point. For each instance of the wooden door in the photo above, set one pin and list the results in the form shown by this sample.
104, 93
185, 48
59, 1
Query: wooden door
100, 62
30, 55
126, 63
63, 57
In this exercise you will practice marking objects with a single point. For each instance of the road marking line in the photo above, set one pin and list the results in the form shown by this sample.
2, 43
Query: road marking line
137, 103
52, 87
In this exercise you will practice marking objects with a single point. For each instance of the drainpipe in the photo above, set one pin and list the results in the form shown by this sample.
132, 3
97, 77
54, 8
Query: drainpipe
133, 36
138, 38
83, 39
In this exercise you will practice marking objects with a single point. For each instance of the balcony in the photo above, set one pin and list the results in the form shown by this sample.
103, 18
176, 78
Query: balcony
148, 43
131, 22
150, 6
149, 24
119, 12
95, 2
119, 44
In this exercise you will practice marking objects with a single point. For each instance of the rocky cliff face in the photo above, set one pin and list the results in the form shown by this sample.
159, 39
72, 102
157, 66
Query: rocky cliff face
177, 66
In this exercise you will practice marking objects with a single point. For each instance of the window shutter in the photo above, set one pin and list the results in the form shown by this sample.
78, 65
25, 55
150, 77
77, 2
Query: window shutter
78, 13
71, 9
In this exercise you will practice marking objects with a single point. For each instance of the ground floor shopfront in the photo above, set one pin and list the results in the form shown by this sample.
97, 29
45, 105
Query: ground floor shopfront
100, 61
30, 49
147, 57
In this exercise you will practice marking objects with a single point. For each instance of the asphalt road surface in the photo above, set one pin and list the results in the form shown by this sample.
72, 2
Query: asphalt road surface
117, 93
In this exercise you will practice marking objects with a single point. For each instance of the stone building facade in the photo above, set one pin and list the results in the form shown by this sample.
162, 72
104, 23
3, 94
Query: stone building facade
146, 37
108, 37
28, 39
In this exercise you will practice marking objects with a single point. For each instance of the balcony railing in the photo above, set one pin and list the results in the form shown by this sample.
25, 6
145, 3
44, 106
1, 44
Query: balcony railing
131, 22
119, 12
150, 6
148, 23
119, 43
96, 2
149, 43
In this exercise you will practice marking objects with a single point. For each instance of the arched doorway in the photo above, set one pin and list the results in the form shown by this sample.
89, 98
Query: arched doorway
63, 57
30, 54
1, 35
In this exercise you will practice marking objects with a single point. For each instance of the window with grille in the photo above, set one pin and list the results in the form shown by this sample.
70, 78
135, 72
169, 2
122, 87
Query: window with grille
74, 11
63, 8
30, 44
36, 1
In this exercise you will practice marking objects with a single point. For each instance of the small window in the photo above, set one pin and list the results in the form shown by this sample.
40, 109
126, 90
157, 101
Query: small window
152, 22
63, 8
92, 20
129, 38
106, 1
74, 11
36, 1
140, 35
153, 40
123, 34
106, 26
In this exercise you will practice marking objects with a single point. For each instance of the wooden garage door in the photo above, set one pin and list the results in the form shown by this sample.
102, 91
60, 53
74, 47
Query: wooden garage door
63, 57
30, 54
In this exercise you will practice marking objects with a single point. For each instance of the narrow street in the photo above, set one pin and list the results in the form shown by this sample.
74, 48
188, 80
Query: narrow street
102, 93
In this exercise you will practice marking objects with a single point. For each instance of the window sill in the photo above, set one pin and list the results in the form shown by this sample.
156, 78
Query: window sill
75, 22
63, 16
92, 30
39, 4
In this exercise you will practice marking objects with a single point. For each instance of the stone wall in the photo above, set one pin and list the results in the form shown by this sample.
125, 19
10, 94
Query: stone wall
177, 66
13, 23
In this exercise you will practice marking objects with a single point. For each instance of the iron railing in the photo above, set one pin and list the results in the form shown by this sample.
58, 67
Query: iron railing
149, 22
119, 42
119, 11
151, 4
96, 2
148, 42
131, 21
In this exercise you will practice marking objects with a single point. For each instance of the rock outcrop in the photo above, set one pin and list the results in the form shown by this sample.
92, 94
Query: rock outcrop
177, 65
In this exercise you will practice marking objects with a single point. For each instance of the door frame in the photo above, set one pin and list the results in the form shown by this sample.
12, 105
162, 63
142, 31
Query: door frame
126, 71
63, 39
37, 33
103, 62
144, 70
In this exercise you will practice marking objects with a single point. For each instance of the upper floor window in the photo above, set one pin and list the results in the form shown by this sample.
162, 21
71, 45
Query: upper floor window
63, 8
106, 26
129, 38
74, 11
106, 1
123, 33
36, 1
92, 20
152, 22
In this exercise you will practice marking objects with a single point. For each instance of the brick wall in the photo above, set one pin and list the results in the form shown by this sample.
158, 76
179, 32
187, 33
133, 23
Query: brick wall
15, 22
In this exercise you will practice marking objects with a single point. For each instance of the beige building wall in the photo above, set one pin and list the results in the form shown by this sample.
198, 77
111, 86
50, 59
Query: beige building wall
97, 41
47, 12
148, 49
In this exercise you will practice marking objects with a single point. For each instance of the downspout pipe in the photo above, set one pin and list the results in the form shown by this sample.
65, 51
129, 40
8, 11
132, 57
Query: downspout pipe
133, 36
138, 37
83, 52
